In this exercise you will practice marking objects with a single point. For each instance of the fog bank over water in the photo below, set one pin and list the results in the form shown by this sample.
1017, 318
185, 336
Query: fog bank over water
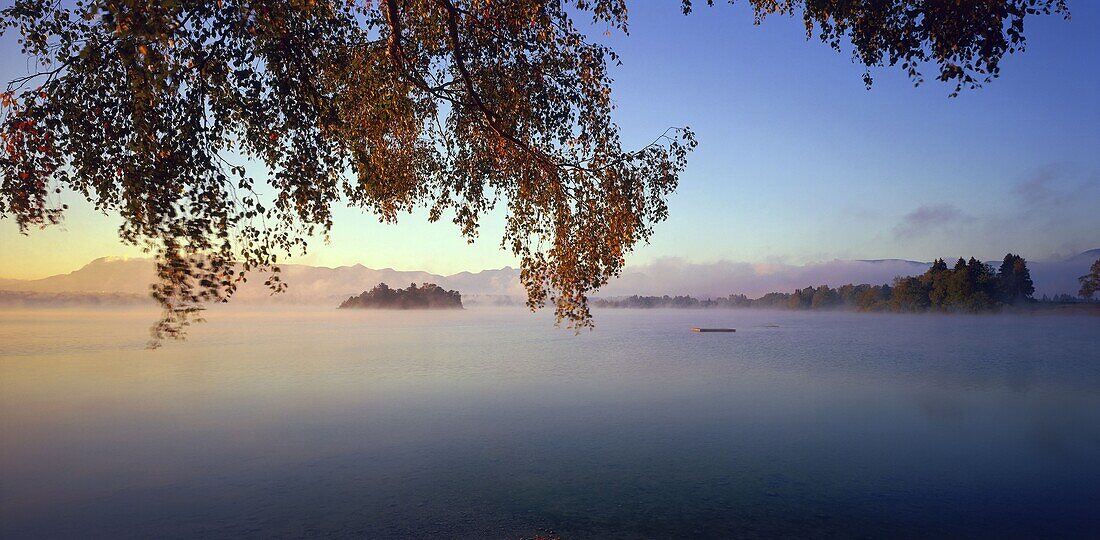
671, 276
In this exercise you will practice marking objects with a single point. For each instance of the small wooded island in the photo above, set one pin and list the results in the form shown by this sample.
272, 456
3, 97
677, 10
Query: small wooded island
426, 296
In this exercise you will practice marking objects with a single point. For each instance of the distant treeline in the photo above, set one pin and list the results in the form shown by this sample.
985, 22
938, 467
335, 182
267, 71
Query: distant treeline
426, 296
970, 286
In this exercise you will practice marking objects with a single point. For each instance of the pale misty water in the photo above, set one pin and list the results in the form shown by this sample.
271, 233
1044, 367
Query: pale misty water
493, 424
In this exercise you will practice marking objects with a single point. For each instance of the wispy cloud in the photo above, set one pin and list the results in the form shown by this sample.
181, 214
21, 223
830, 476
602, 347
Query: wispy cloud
928, 217
1054, 188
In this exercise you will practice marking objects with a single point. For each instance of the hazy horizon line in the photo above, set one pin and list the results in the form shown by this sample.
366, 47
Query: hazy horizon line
769, 262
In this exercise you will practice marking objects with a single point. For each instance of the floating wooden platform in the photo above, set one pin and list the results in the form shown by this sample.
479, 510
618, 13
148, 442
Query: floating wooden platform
697, 329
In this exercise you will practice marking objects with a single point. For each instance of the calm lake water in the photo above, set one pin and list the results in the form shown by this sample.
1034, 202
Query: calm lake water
493, 424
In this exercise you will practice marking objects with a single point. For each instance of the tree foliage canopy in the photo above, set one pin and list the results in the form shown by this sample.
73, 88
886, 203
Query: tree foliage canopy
427, 296
964, 40
970, 287
1090, 282
151, 109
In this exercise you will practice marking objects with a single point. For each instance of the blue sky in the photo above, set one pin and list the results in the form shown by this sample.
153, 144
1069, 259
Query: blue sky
797, 161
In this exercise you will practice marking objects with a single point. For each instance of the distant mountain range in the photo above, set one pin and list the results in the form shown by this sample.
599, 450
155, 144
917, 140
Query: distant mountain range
330, 286
306, 284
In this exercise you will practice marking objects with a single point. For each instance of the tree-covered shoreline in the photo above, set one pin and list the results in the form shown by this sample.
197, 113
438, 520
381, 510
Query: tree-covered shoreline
970, 286
426, 296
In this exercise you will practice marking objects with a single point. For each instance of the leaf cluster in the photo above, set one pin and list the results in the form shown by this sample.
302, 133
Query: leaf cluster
152, 109
963, 40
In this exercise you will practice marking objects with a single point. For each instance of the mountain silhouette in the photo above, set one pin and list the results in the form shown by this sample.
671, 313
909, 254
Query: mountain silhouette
330, 286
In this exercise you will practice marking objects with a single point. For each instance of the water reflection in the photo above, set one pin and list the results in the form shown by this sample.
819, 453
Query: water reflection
490, 424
